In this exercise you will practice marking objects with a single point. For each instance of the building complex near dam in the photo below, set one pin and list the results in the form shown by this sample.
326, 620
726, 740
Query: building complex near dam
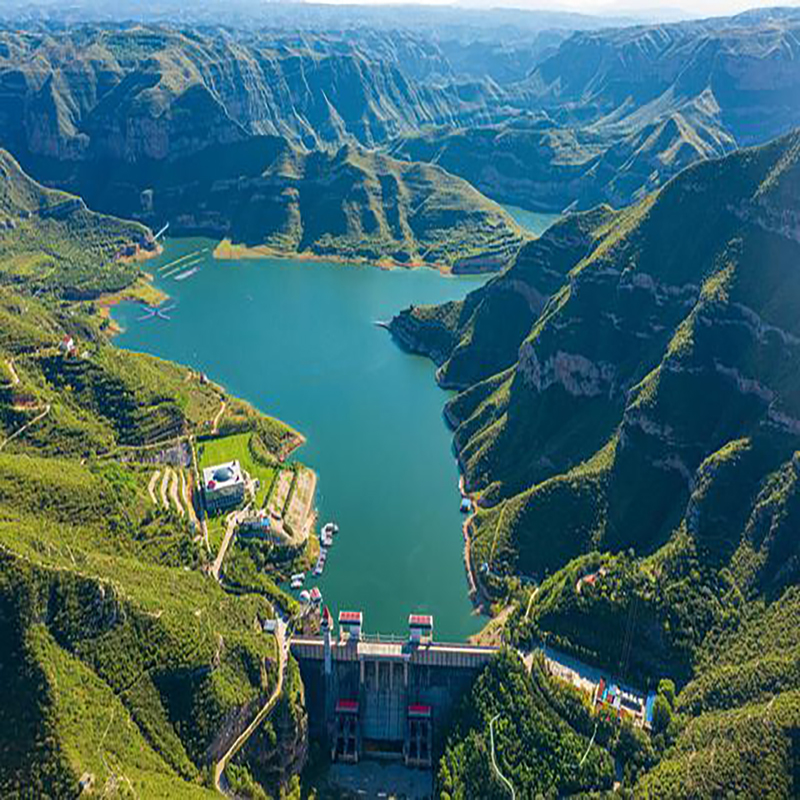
379, 696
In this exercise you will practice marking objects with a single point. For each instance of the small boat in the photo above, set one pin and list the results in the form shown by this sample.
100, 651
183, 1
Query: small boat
298, 576
187, 274
305, 596
318, 570
330, 528
296, 584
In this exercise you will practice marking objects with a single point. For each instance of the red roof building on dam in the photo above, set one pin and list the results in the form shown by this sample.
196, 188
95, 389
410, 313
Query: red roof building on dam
383, 696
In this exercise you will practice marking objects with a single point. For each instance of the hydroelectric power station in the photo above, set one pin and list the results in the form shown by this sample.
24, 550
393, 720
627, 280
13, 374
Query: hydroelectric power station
379, 696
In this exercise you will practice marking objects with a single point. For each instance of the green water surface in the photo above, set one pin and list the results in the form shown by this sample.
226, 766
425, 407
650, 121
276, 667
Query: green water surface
535, 222
298, 340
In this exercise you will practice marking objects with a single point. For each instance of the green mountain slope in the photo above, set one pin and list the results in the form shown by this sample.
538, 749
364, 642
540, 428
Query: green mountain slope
353, 204
638, 421
126, 666
49, 239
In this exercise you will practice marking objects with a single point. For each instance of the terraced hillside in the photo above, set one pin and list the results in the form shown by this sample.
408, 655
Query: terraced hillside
629, 411
127, 668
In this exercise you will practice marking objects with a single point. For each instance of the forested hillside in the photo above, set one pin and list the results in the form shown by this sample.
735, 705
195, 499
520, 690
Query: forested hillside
629, 410
351, 204
50, 241
125, 666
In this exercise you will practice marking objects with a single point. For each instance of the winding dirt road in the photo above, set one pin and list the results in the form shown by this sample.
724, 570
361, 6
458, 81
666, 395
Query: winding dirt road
12, 372
233, 521
25, 427
151, 487
218, 417
220, 782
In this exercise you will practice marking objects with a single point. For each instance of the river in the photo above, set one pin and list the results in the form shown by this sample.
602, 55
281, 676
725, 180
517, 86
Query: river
297, 340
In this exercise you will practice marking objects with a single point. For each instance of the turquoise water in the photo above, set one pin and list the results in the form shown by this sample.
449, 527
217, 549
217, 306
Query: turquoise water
533, 221
298, 341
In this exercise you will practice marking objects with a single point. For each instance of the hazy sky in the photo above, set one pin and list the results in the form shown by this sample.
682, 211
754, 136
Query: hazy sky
689, 7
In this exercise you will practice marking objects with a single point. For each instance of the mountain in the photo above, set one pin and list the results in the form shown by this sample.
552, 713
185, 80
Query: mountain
563, 120
51, 240
629, 409
153, 92
503, 43
353, 204
614, 114
604, 312
127, 667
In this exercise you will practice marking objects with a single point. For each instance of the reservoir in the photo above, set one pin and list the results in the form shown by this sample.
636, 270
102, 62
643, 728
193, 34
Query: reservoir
298, 340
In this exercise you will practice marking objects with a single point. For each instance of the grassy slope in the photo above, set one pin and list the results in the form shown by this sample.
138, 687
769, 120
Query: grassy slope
50, 240
123, 658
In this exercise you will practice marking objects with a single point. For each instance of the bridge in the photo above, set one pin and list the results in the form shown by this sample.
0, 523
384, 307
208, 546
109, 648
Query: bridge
383, 697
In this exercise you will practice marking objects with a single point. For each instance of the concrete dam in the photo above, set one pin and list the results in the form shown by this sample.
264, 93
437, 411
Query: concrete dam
383, 697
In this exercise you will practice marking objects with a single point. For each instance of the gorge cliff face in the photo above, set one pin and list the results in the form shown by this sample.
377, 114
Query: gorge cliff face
150, 92
636, 352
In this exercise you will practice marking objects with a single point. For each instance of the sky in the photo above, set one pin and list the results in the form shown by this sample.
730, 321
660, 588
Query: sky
693, 8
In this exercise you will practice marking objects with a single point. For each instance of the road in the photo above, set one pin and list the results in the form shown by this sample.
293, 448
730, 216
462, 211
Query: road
25, 427
220, 782
233, 521
218, 417
173, 492
12, 372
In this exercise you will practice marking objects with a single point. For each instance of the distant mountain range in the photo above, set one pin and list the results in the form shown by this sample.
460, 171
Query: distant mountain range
601, 115
617, 113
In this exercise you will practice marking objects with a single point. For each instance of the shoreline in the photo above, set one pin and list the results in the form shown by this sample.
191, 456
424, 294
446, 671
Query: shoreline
227, 251
477, 595
143, 290
291, 446
141, 254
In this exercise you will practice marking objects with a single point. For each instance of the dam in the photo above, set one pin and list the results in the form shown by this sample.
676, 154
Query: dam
385, 697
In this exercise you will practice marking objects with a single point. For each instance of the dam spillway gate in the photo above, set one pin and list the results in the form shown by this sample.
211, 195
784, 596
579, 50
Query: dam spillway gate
386, 697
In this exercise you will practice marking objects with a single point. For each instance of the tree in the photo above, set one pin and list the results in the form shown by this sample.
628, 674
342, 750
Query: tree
666, 687
662, 714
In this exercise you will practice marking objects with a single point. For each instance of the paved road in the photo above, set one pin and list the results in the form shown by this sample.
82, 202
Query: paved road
220, 782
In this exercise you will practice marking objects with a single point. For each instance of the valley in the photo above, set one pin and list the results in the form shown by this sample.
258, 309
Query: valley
306, 347
510, 296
